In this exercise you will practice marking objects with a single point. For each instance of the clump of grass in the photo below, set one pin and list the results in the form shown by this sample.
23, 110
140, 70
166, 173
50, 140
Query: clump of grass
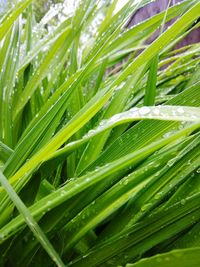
99, 167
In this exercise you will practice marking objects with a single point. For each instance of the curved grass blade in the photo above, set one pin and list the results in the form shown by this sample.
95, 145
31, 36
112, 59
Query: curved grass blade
171, 113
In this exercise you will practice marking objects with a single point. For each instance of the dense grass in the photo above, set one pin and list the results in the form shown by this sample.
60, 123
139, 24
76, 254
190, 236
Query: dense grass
99, 137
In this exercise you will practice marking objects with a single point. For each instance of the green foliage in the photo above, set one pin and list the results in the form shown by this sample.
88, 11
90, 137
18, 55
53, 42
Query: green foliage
183, 258
99, 137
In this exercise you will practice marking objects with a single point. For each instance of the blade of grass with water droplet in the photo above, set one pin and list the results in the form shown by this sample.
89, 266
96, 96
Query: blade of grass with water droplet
7, 80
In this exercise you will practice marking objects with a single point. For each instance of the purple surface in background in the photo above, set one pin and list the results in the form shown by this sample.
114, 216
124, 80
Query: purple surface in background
157, 7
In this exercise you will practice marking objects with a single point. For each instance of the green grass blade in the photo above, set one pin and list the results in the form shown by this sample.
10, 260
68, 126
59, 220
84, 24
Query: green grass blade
30, 221
150, 93
179, 257
5, 152
11, 16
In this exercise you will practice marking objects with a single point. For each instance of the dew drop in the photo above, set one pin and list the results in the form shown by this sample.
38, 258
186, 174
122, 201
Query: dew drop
144, 110
180, 110
156, 111
183, 201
